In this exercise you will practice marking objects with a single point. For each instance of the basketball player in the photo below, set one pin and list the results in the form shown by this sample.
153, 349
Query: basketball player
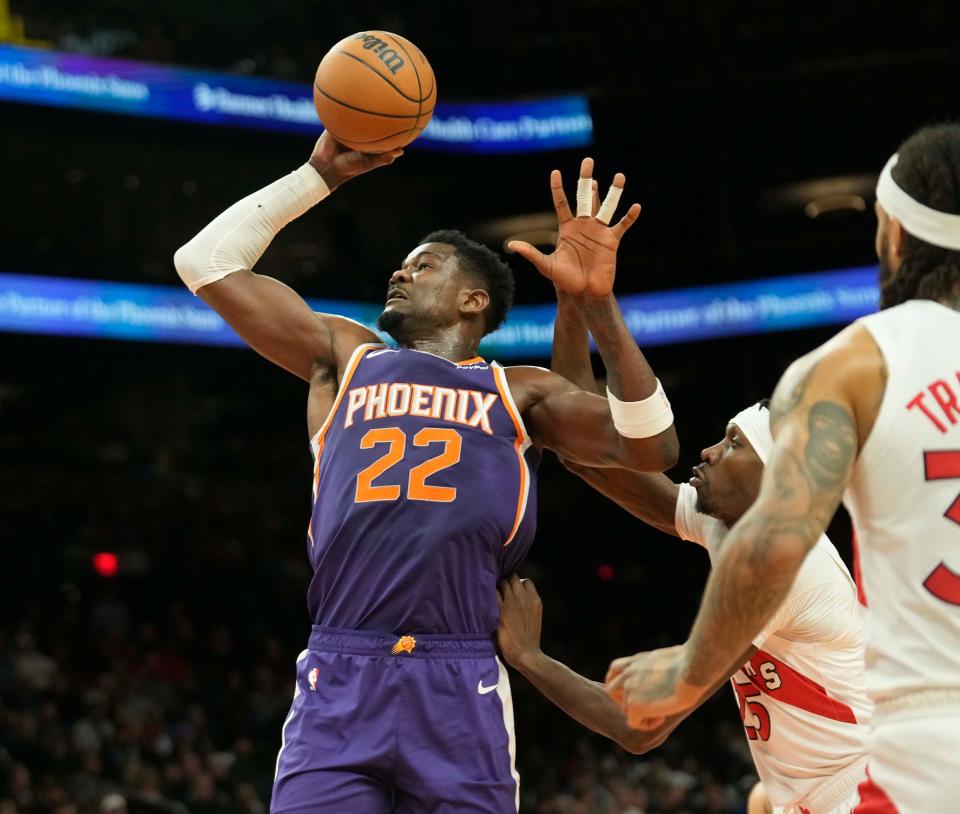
423, 489
871, 418
799, 685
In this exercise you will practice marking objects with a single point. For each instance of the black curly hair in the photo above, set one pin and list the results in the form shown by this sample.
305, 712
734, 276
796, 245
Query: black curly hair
928, 170
486, 267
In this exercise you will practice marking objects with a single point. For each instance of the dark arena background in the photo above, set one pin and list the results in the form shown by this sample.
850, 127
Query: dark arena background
154, 489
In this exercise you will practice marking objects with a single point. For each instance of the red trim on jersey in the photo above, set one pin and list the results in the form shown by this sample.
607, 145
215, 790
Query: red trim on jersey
873, 799
797, 690
857, 572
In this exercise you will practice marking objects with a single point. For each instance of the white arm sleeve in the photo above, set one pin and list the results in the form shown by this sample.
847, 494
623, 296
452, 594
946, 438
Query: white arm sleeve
237, 238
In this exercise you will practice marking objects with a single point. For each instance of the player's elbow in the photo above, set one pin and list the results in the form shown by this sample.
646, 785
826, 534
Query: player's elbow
639, 743
187, 263
655, 454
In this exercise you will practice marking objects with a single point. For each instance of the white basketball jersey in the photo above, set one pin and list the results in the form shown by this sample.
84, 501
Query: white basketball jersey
802, 696
904, 500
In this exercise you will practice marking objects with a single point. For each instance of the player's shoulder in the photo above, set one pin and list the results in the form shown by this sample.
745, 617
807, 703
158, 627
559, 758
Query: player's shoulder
537, 378
530, 384
824, 568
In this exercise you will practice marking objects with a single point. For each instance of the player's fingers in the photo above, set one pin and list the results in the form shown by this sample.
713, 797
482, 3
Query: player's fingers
596, 198
626, 221
617, 666
585, 189
513, 584
559, 197
528, 252
528, 586
615, 689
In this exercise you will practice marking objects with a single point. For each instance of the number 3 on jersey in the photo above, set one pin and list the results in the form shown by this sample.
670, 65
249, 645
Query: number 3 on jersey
417, 486
944, 582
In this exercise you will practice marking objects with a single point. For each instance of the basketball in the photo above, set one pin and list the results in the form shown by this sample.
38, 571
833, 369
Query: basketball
374, 91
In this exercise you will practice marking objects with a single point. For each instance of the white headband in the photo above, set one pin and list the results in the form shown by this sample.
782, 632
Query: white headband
929, 225
754, 422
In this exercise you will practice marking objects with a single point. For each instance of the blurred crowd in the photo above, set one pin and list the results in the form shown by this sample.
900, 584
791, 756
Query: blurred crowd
164, 688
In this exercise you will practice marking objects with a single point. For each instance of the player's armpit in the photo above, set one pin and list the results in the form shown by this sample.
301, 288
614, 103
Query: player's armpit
279, 325
652, 497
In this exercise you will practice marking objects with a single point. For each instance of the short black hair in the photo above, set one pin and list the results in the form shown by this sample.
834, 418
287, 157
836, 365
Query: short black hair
487, 267
928, 170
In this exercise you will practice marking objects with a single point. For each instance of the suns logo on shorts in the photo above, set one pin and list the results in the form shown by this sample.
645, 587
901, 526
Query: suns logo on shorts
405, 644
312, 679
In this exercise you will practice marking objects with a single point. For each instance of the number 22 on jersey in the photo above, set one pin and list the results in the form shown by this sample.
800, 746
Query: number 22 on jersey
417, 487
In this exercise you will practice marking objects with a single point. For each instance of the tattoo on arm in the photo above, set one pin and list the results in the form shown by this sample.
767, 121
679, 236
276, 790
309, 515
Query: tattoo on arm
832, 444
787, 396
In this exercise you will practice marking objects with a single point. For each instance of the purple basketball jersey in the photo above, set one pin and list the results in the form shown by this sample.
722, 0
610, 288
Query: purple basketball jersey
424, 495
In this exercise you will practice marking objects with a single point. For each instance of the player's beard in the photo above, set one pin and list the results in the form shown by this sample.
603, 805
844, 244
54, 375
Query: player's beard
703, 501
391, 322
890, 293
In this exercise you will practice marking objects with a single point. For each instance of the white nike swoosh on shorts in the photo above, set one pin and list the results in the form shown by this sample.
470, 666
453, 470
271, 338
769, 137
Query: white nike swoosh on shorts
484, 690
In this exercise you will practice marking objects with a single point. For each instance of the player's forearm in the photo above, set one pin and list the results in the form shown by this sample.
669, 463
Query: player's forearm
571, 345
629, 375
649, 496
585, 701
632, 386
237, 238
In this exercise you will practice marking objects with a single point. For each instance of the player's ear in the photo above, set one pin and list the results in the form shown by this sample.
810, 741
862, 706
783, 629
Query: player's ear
895, 236
473, 300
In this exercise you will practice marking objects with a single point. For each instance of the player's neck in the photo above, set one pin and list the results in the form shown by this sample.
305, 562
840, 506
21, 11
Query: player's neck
451, 346
952, 298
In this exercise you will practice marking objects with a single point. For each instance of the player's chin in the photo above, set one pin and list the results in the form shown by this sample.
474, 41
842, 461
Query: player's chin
391, 318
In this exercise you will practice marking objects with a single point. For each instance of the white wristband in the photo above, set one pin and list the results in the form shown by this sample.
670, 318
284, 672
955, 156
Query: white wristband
641, 419
236, 239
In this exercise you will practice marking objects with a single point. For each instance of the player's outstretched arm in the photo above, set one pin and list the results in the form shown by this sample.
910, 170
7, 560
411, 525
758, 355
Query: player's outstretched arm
586, 701
570, 421
821, 413
270, 316
570, 354
652, 497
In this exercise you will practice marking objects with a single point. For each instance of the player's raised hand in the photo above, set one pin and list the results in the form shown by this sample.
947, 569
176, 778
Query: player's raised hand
337, 163
648, 687
521, 616
585, 259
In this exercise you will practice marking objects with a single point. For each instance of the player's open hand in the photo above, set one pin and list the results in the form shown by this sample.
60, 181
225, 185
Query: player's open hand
521, 617
337, 163
585, 259
648, 687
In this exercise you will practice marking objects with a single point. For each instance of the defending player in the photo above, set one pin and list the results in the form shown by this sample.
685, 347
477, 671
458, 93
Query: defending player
423, 480
800, 684
871, 417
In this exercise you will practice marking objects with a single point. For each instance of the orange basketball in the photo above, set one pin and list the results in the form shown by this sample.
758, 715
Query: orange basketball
374, 91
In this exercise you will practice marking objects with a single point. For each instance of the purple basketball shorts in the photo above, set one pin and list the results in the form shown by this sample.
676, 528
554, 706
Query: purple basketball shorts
383, 723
